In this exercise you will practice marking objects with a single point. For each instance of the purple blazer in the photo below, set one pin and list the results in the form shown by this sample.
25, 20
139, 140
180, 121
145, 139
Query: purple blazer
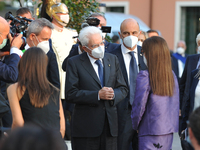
153, 114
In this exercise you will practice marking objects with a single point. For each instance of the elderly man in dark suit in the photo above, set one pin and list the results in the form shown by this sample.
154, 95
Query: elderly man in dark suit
95, 84
76, 48
9, 71
130, 66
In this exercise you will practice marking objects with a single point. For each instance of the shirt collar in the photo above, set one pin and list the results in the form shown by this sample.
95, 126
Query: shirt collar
92, 60
26, 46
57, 28
126, 50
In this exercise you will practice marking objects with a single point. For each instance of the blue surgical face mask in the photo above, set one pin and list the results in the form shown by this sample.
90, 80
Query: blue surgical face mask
3, 44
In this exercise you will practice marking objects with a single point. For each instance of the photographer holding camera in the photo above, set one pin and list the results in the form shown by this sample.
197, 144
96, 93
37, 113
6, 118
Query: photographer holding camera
8, 70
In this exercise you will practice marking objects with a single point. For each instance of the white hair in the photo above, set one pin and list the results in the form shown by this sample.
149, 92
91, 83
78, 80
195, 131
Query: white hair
198, 38
86, 32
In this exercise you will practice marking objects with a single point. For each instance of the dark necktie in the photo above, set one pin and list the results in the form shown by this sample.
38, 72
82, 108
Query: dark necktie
100, 71
133, 71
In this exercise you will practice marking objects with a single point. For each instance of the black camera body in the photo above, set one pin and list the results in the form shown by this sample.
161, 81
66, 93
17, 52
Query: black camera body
18, 25
92, 21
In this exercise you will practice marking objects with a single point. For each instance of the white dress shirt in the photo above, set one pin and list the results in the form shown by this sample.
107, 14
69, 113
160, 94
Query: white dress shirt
95, 66
127, 58
198, 64
197, 97
181, 66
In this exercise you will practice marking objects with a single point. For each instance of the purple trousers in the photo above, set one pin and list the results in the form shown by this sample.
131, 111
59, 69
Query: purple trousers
155, 142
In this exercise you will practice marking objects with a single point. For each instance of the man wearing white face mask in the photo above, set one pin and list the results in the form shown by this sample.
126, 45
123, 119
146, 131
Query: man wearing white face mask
38, 34
95, 83
180, 58
131, 62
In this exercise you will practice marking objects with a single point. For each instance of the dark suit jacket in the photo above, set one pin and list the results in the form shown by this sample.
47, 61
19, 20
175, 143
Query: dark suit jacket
124, 106
82, 87
185, 81
52, 69
110, 46
9, 71
175, 66
189, 106
73, 52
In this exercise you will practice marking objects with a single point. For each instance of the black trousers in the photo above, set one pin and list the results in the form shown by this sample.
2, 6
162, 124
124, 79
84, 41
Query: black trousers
127, 137
104, 142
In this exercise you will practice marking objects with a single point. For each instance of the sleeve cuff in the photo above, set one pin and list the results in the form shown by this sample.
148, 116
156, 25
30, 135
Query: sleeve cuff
15, 50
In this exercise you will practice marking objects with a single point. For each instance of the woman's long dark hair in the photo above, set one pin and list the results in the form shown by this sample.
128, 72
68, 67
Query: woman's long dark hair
32, 69
159, 65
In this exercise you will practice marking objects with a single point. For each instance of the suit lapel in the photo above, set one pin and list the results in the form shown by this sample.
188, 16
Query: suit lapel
122, 64
193, 65
89, 68
106, 66
141, 64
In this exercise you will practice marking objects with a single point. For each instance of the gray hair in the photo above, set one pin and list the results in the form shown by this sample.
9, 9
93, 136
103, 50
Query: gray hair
181, 41
145, 34
96, 15
86, 32
198, 38
37, 25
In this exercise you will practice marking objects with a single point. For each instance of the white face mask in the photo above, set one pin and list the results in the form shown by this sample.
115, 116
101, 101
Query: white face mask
44, 45
145, 60
139, 43
198, 50
98, 52
130, 41
65, 19
180, 50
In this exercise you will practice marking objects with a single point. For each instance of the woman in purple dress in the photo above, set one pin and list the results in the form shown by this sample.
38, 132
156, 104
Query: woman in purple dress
155, 110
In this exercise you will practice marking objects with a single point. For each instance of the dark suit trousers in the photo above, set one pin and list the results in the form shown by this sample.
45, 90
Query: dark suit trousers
104, 142
127, 137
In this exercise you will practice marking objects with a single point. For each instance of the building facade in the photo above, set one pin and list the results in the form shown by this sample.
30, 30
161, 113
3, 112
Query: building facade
175, 19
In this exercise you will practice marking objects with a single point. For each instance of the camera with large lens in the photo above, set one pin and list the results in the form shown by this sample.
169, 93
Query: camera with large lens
18, 25
92, 21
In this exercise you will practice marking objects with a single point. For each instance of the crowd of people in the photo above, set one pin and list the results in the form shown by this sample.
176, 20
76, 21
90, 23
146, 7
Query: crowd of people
129, 96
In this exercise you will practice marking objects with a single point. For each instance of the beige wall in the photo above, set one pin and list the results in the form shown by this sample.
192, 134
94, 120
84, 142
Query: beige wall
163, 15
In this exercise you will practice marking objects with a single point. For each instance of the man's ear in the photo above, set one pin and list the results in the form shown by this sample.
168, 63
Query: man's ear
31, 36
190, 133
85, 48
120, 35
